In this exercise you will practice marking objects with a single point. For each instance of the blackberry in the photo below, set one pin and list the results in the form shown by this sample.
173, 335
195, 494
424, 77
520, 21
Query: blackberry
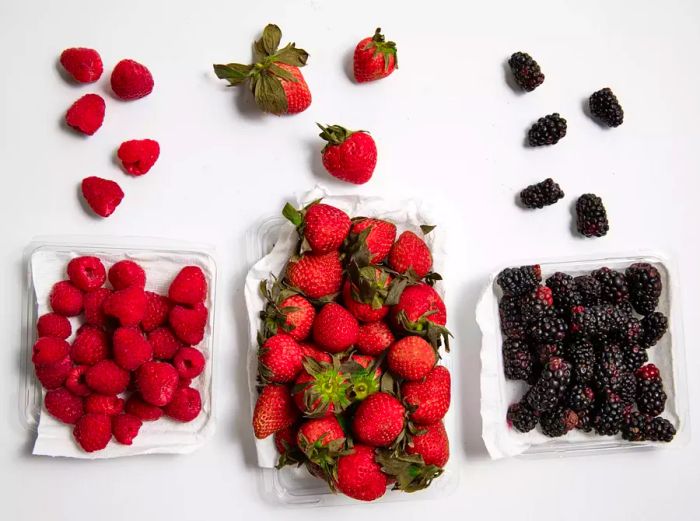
511, 320
544, 352
613, 286
609, 368
517, 360
585, 420
627, 387
591, 217
541, 194
600, 320
589, 289
654, 327
558, 422
660, 429
551, 385
580, 397
547, 131
526, 71
609, 417
635, 426
522, 417
635, 357
519, 281
644, 283
651, 397
548, 329
581, 354
604, 106
535, 305
564, 291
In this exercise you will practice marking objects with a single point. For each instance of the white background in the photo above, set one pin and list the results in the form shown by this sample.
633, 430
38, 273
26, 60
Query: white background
449, 129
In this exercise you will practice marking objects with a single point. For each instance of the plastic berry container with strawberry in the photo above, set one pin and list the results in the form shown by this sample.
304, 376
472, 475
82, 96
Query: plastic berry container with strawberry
119, 338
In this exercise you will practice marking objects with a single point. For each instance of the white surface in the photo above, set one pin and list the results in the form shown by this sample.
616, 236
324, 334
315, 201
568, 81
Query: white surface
448, 128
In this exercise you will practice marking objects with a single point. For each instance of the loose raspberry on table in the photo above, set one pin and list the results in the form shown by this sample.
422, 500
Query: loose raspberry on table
86, 114
83, 64
138, 155
102, 195
130, 80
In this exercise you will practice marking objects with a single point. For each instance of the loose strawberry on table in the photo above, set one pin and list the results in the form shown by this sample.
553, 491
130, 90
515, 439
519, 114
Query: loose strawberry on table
349, 155
374, 58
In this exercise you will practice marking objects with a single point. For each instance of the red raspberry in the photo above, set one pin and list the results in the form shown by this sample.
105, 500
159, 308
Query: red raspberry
84, 65
86, 114
130, 348
102, 195
92, 304
63, 405
106, 377
184, 382
49, 350
54, 375
157, 309
65, 299
164, 343
144, 411
131, 80
93, 431
188, 323
104, 404
126, 305
185, 405
126, 273
86, 273
54, 325
157, 382
189, 362
138, 155
75, 382
189, 286
125, 428
90, 346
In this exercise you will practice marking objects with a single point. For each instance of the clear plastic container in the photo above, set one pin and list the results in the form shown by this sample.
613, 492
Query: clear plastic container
45, 259
498, 393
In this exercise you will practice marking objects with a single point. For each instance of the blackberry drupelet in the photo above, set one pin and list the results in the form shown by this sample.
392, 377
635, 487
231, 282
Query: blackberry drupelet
564, 291
651, 397
580, 397
547, 131
589, 289
609, 417
522, 417
591, 217
519, 281
511, 321
660, 429
535, 305
613, 285
541, 194
604, 106
517, 360
551, 385
558, 421
526, 71
654, 327
635, 357
634, 427
645, 287
543, 352
609, 368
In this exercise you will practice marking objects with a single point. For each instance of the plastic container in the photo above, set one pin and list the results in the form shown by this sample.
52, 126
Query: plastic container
498, 393
45, 259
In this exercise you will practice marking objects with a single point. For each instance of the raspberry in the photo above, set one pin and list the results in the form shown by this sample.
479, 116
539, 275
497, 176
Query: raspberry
65, 299
86, 273
63, 405
185, 405
86, 114
189, 362
54, 375
53, 325
49, 350
157, 382
90, 346
130, 348
92, 304
102, 404
75, 382
130, 80
102, 195
93, 431
126, 273
84, 65
125, 428
127, 305
164, 343
189, 286
138, 155
142, 410
106, 377
184, 382
188, 323
157, 309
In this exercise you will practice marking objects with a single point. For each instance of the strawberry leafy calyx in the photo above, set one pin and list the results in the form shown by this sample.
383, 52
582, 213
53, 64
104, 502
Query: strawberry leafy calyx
380, 46
435, 334
409, 470
335, 134
330, 386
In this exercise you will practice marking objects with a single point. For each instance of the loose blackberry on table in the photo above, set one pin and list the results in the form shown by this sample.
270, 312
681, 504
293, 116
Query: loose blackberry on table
591, 216
548, 130
604, 106
541, 194
526, 71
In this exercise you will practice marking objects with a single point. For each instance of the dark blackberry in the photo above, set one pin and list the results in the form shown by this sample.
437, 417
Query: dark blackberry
511, 320
541, 194
600, 320
604, 106
585, 420
581, 354
651, 397
609, 416
635, 357
535, 305
580, 397
517, 360
660, 429
548, 329
522, 417
654, 327
519, 281
564, 291
543, 352
589, 289
591, 217
558, 421
613, 285
547, 131
526, 71
551, 385
627, 387
634, 427
609, 368
644, 283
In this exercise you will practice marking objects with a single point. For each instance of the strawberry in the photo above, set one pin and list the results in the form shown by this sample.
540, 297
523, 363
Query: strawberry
75, 382
189, 362
316, 276
126, 273
185, 405
84, 65
376, 235
322, 389
63, 405
65, 299
367, 304
359, 476
102, 195
93, 431
430, 397
126, 305
310, 350
275, 78
93, 310
86, 114
411, 358
374, 58
156, 313
125, 427
321, 439
86, 273
90, 346
130, 80
106, 377
130, 348
431, 444
285, 312
157, 382
335, 329
379, 420
189, 324
349, 155
324, 227
279, 359
374, 338
142, 410
54, 325
49, 350
53, 376
189, 286
274, 411
299, 317
103, 404
421, 311
286, 445
410, 252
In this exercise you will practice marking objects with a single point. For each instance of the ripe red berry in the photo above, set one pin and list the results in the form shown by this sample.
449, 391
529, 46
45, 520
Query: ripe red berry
125, 427
65, 299
86, 273
335, 329
90, 346
53, 376
157, 382
164, 343
374, 338
349, 155
93, 431
374, 58
126, 273
157, 309
49, 350
130, 80
138, 155
102, 195
103, 404
126, 305
83, 64
185, 405
86, 114
188, 324
63, 405
189, 286
92, 304
142, 410
54, 325
189, 362
130, 348
75, 381
106, 377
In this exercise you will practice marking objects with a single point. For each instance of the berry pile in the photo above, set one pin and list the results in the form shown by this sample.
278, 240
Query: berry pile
348, 361
581, 344
134, 357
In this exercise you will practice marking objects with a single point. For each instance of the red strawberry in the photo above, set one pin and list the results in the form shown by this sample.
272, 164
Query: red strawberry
126, 305
374, 338
432, 445
360, 476
188, 324
275, 78
379, 420
316, 276
375, 309
335, 329
321, 438
189, 362
418, 306
411, 358
185, 405
286, 440
410, 252
189, 286
299, 316
164, 343
49, 350
93, 302
90, 346
274, 411
349, 155
125, 427
86, 114
365, 375
54, 375
130, 80
103, 404
157, 309
125, 274
157, 382
322, 389
86, 273
106, 377
93, 431
138, 155
374, 58
431, 396
102, 195
323, 226
75, 382
142, 410
54, 325
280, 359
84, 65
65, 299
378, 236
310, 350
130, 348
63, 405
